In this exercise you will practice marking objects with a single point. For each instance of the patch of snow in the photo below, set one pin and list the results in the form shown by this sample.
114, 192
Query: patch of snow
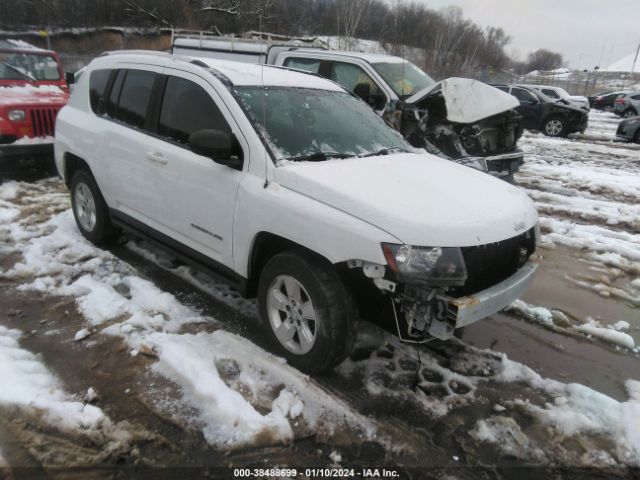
607, 334
621, 326
537, 314
81, 334
26, 382
335, 457
585, 410
229, 419
33, 140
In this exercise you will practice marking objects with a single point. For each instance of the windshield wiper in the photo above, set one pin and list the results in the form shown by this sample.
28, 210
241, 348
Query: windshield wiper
385, 151
318, 157
26, 75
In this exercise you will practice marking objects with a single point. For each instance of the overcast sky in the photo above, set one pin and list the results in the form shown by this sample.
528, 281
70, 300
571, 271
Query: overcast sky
586, 32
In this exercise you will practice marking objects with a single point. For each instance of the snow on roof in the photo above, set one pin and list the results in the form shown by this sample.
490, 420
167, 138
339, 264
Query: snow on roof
369, 57
17, 44
624, 65
241, 73
238, 73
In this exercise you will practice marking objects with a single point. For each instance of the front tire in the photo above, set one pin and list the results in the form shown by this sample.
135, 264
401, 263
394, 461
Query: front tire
630, 112
555, 126
306, 310
636, 137
90, 210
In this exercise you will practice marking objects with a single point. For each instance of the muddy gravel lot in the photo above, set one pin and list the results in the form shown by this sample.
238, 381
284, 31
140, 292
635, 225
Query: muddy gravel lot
128, 364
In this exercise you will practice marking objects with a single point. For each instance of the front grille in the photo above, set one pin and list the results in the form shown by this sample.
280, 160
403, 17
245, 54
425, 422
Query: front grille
43, 121
494, 262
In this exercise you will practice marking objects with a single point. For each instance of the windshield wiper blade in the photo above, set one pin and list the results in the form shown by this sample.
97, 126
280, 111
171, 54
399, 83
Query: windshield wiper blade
386, 151
26, 75
318, 157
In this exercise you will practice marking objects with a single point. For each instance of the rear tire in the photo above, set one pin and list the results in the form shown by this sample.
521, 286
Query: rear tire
309, 315
555, 126
90, 210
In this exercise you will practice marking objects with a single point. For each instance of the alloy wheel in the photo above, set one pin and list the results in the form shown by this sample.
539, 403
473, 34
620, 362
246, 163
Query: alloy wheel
85, 207
553, 127
292, 315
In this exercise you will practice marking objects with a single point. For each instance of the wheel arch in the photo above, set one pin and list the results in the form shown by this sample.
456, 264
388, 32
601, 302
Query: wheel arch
73, 163
265, 245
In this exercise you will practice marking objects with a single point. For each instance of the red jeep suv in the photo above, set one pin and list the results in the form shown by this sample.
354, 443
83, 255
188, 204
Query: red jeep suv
32, 91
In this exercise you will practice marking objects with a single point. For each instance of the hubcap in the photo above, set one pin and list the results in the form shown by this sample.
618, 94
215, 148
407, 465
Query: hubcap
292, 315
553, 127
85, 207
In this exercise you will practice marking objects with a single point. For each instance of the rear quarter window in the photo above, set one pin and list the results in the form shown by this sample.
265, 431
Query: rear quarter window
98, 81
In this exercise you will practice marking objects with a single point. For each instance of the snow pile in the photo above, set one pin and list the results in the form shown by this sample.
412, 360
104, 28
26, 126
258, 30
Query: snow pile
536, 314
578, 409
226, 376
593, 328
26, 382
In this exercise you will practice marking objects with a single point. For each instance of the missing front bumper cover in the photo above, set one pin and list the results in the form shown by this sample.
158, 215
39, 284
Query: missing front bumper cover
431, 314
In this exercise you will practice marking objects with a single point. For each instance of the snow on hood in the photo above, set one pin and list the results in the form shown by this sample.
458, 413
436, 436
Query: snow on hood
420, 199
468, 100
30, 94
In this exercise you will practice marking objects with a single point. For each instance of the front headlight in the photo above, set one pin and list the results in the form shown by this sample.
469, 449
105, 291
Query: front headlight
17, 115
430, 265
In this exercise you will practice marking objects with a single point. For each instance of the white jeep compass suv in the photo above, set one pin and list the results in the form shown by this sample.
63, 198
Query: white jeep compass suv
294, 191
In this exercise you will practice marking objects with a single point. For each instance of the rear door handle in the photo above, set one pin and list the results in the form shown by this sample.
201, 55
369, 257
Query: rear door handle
156, 157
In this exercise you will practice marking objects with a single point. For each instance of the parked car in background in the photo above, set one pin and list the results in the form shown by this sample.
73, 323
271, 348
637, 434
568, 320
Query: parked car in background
32, 91
294, 191
629, 129
605, 102
627, 104
458, 119
545, 114
558, 93
592, 98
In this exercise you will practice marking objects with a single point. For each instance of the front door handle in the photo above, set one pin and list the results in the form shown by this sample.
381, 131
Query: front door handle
156, 157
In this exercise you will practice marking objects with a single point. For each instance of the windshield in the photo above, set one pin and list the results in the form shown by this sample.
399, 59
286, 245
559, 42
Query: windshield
28, 66
310, 124
404, 77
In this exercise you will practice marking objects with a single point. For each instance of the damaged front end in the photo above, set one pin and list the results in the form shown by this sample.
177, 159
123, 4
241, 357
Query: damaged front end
464, 121
433, 291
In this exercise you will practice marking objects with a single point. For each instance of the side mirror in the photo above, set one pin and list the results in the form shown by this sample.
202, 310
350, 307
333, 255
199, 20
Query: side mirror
70, 78
217, 145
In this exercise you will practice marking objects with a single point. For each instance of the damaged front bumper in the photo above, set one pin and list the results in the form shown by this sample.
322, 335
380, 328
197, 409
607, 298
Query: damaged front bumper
440, 315
503, 166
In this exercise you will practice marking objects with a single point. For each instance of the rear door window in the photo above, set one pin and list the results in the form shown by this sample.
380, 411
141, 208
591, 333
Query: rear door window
187, 108
134, 97
98, 82
307, 64
522, 95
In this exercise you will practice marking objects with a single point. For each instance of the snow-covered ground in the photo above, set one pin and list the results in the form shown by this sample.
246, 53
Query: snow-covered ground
237, 395
587, 191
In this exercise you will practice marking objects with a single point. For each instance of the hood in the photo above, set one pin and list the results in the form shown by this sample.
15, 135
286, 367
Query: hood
567, 105
32, 95
467, 100
420, 199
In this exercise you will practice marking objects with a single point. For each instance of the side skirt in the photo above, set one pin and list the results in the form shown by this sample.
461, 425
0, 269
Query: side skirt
184, 253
